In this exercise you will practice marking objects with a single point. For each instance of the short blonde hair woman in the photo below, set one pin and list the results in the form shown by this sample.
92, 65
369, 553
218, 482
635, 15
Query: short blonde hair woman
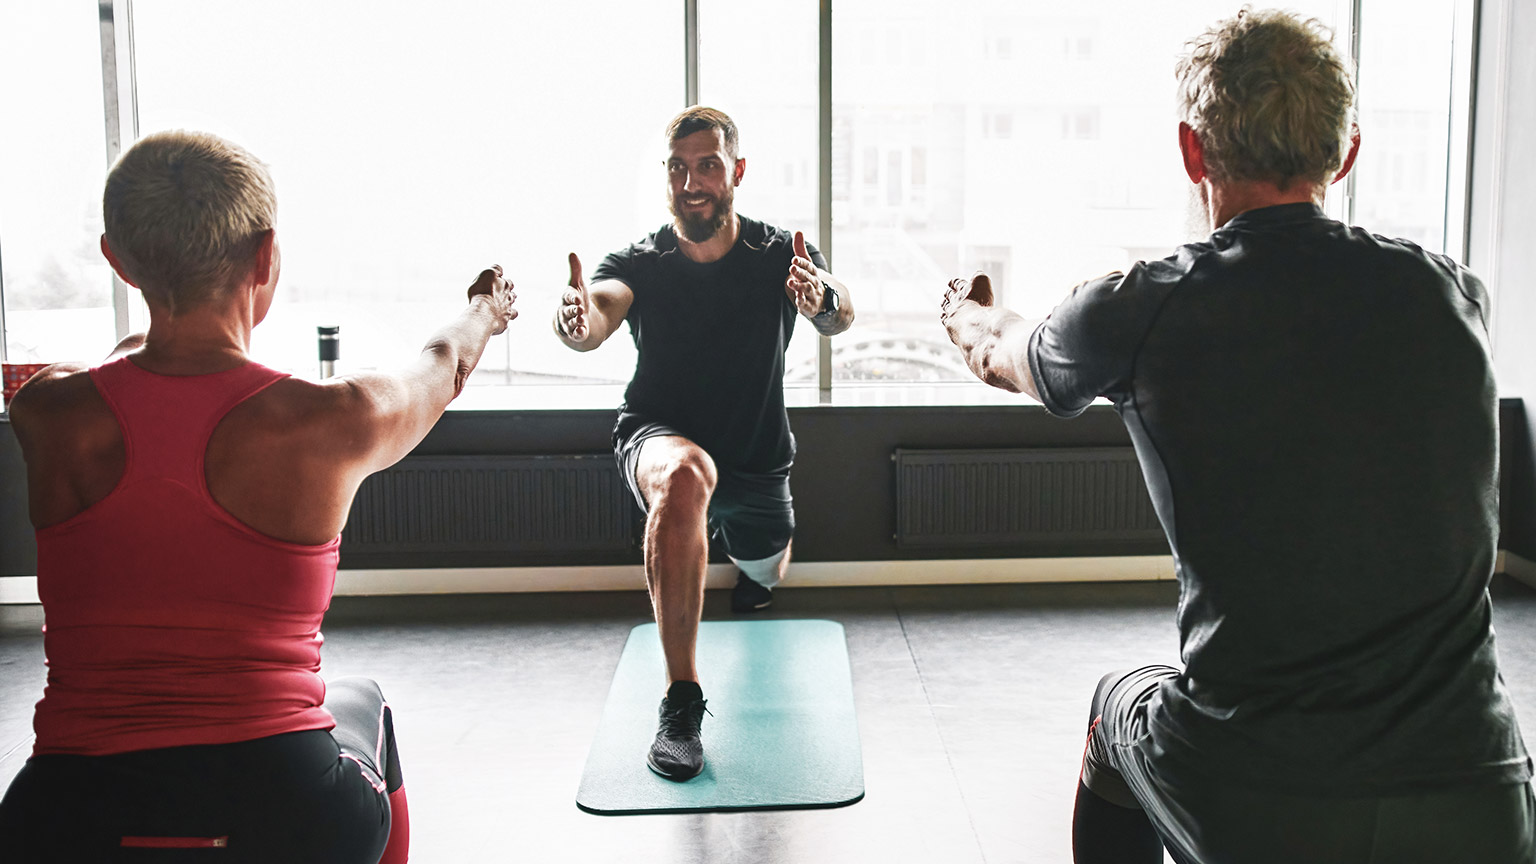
188, 503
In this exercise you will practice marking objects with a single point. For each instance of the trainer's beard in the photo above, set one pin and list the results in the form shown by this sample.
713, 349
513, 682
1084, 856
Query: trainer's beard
702, 227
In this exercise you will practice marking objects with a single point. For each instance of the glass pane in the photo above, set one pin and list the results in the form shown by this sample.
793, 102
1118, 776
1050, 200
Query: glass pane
412, 148
58, 288
769, 87
1033, 140
1405, 100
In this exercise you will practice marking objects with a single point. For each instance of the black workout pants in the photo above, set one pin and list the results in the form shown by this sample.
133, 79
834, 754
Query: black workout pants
1225, 823
318, 796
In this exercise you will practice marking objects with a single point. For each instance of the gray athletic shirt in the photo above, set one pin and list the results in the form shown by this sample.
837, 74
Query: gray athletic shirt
1315, 413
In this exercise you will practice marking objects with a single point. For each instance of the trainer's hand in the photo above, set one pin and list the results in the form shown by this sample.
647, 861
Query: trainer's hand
575, 306
803, 284
497, 290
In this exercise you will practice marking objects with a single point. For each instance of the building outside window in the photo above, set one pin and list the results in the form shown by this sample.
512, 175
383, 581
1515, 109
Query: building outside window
1058, 165
1029, 139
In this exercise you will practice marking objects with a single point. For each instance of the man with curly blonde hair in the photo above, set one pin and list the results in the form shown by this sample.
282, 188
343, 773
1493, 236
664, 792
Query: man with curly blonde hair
1315, 413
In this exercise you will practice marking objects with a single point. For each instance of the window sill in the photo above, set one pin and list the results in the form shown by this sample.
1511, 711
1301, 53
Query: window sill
602, 397
606, 397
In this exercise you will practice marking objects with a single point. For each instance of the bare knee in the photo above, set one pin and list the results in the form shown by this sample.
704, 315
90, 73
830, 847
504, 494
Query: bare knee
679, 475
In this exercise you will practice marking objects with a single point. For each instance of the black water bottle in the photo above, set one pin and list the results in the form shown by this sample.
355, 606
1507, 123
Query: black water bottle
330, 349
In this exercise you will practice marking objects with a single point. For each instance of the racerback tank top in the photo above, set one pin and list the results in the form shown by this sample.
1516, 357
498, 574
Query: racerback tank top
169, 622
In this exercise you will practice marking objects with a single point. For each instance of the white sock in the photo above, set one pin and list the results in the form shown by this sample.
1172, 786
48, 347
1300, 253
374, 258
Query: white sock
764, 571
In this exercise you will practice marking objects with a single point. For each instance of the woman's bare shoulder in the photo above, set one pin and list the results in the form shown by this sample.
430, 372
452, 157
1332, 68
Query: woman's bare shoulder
55, 400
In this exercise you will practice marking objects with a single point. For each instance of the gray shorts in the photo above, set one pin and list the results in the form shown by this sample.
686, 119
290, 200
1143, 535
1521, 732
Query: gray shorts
1224, 822
753, 514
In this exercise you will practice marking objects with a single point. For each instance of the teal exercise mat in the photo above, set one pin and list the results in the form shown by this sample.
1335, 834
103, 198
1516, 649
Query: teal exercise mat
783, 734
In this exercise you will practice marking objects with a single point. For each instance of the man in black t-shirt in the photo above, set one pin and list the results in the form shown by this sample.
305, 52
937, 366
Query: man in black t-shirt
1315, 413
702, 438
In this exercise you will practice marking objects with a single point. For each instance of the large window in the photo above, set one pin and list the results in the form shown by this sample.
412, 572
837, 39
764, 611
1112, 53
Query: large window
412, 148
1032, 140
57, 287
1405, 114
768, 85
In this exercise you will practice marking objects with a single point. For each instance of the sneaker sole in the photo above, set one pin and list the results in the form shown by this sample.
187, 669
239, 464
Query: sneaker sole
673, 777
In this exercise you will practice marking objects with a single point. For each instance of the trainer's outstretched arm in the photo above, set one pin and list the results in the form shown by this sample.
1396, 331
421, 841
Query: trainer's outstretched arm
588, 315
804, 287
993, 340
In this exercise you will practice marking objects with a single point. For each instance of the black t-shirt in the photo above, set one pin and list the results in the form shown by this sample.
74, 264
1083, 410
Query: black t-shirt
711, 340
1315, 413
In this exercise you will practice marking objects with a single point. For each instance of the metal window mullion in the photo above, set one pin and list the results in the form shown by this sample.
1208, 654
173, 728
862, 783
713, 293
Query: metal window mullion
120, 111
1486, 213
1355, 10
1460, 131
824, 176
690, 53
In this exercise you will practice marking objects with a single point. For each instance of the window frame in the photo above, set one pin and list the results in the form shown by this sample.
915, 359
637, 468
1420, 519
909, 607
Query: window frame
120, 122
120, 109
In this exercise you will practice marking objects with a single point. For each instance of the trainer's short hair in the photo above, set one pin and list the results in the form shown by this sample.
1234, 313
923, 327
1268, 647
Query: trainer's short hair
1270, 97
700, 119
184, 213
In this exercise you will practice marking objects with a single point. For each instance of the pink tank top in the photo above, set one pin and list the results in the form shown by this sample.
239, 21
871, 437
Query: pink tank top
168, 622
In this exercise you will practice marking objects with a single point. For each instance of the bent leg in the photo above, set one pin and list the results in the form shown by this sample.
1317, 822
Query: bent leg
676, 478
1218, 820
289, 797
756, 517
1108, 824
365, 732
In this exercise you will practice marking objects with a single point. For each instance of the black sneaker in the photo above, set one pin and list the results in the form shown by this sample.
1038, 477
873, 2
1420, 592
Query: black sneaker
677, 753
748, 595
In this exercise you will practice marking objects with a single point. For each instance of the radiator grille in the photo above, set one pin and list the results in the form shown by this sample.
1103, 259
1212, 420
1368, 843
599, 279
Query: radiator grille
458, 504
1018, 497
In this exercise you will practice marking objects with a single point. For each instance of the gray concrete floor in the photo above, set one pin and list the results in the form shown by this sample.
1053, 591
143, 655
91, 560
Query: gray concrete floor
972, 703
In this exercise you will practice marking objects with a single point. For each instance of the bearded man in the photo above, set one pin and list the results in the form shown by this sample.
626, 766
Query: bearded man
702, 438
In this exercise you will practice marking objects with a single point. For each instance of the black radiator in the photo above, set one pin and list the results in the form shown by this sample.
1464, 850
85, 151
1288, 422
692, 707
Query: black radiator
514, 504
958, 498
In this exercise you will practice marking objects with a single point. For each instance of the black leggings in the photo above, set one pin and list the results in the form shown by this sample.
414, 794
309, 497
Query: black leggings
318, 796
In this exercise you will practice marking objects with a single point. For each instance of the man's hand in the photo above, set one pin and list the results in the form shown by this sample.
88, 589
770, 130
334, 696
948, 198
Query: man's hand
498, 294
571, 319
993, 340
978, 290
803, 284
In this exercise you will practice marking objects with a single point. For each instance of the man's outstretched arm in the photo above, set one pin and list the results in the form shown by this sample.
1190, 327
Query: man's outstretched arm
993, 340
588, 315
804, 285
